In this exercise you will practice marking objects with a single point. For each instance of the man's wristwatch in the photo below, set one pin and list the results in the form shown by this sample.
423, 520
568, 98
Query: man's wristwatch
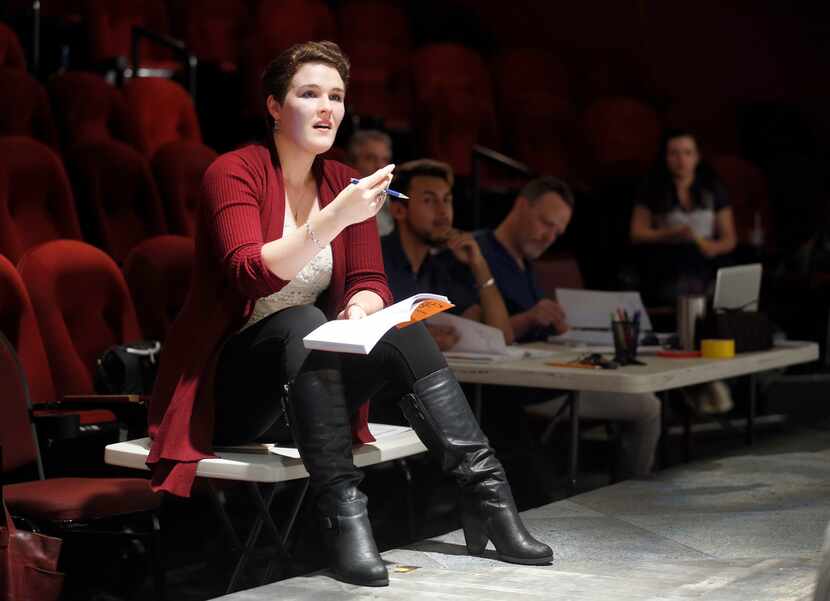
490, 282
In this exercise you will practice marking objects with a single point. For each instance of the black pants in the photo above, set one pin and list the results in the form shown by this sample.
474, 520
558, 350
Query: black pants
257, 363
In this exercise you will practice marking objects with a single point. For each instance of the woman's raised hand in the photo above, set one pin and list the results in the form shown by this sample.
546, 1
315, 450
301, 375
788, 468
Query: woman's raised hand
358, 202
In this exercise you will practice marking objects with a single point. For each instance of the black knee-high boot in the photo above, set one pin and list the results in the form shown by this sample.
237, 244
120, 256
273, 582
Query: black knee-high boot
440, 414
321, 428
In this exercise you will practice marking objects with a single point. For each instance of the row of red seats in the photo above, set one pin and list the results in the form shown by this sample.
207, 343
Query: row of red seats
80, 107
66, 302
520, 102
119, 197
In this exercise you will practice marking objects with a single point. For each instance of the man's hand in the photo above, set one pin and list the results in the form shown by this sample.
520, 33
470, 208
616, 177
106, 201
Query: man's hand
549, 313
445, 337
465, 248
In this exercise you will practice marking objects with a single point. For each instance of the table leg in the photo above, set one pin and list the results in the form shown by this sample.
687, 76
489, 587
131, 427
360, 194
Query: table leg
663, 445
573, 454
750, 408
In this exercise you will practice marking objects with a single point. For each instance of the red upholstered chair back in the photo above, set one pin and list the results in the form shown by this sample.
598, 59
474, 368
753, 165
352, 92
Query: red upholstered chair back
380, 84
83, 307
212, 29
35, 198
11, 52
88, 108
19, 323
282, 23
110, 23
375, 36
517, 70
377, 21
558, 272
162, 111
16, 436
158, 274
24, 107
454, 102
178, 168
279, 24
747, 190
117, 197
535, 111
621, 131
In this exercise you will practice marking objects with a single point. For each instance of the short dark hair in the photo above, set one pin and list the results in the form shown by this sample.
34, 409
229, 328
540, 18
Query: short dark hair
545, 185
404, 174
277, 75
361, 136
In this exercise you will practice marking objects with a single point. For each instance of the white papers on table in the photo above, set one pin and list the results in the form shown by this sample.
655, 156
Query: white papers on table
589, 314
480, 342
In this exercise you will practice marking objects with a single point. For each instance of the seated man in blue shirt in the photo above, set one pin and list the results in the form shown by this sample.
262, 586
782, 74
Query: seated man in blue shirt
425, 254
540, 214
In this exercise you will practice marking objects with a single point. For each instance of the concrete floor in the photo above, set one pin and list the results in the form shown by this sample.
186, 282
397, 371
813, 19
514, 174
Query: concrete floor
743, 527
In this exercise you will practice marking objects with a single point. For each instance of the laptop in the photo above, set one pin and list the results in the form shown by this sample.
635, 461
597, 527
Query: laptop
738, 288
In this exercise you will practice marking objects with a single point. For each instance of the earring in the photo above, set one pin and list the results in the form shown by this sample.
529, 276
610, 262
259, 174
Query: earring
276, 126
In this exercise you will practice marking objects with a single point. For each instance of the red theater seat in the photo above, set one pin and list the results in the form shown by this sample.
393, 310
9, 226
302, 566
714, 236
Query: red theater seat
117, 197
124, 507
178, 168
158, 275
277, 25
375, 36
19, 324
747, 190
109, 25
11, 52
213, 30
454, 104
87, 108
36, 202
622, 136
83, 307
161, 111
24, 107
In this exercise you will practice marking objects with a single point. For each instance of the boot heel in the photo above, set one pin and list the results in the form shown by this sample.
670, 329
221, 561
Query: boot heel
475, 535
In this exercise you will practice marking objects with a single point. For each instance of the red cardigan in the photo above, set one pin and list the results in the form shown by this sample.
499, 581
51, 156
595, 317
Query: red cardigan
243, 207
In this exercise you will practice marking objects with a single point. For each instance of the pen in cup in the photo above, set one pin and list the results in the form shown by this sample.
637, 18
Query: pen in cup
389, 191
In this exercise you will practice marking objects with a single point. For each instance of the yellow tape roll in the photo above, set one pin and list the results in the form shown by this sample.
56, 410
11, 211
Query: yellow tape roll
717, 349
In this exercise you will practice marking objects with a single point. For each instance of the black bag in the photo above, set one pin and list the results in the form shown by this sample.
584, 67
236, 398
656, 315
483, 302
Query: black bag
128, 368
751, 330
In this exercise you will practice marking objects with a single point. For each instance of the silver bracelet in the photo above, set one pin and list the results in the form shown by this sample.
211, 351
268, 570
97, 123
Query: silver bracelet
312, 236
489, 282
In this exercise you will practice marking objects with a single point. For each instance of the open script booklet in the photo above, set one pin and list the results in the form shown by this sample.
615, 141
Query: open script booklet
480, 342
361, 335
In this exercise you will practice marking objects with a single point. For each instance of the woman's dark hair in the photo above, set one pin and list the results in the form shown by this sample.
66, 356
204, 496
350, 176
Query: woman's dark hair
659, 184
277, 75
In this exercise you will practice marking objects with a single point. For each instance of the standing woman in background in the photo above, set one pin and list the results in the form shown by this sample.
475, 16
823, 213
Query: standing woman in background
683, 208
283, 232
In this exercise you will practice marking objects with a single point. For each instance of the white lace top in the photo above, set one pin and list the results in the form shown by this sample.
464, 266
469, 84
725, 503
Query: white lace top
303, 289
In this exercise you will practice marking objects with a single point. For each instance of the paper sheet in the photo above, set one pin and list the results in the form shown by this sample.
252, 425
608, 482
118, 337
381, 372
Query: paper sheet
474, 337
589, 314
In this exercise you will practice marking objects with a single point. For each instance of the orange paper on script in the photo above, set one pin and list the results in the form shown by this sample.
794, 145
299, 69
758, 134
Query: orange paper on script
426, 308
361, 335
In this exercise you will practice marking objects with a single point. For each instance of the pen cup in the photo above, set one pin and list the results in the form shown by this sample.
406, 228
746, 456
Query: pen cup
626, 337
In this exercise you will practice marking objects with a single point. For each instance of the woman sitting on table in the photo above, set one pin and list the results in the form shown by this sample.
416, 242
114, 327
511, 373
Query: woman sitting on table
282, 232
684, 209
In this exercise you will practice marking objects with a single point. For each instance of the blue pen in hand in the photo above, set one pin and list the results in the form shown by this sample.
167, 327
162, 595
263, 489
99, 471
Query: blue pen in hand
389, 191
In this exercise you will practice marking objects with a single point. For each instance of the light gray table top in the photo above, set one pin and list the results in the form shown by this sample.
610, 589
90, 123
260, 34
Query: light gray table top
658, 374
